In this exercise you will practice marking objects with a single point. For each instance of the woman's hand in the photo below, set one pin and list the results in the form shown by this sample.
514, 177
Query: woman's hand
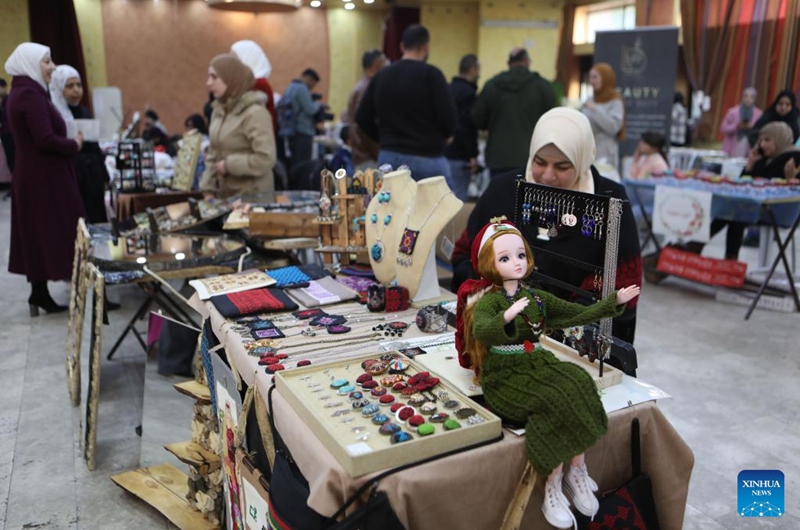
752, 157
589, 105
79, 140
207, 196
515, 309
626, 294
220, 167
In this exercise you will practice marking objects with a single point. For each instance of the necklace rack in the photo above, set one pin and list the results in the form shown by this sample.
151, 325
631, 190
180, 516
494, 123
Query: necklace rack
377, 249
409, 239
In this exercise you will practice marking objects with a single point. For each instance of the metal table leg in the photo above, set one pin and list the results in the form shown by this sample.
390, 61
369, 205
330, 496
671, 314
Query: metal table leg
781, 257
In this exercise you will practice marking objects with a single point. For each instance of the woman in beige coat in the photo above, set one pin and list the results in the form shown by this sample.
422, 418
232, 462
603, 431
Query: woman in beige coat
242, 151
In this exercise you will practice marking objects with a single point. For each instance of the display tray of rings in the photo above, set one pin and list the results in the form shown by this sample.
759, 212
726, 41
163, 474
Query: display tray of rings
376, 413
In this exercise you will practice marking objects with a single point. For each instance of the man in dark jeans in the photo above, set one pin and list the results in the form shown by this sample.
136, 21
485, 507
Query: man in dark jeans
301, 131
462, 154
408, 110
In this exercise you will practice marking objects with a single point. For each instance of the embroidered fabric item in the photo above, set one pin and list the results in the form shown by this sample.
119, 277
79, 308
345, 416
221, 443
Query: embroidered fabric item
322, 292
289, 276
356, 283
265, 300
396, 299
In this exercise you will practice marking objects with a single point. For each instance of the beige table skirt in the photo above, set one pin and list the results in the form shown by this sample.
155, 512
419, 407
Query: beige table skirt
472, 490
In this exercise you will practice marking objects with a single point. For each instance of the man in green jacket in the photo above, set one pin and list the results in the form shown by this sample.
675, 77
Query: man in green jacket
509, 106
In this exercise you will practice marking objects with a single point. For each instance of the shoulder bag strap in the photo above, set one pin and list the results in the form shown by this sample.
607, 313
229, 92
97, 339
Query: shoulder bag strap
636, 450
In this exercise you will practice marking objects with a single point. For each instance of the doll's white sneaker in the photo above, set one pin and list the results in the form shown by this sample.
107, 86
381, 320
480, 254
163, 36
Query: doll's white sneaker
556, 506
581, 488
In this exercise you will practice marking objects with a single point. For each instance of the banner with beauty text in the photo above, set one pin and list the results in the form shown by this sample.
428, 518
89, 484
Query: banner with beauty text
645, 61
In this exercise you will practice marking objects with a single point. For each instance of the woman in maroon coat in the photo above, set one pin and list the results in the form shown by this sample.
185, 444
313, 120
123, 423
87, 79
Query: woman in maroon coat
46, 202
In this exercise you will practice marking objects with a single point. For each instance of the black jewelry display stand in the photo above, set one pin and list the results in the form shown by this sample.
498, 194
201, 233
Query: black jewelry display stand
591, 216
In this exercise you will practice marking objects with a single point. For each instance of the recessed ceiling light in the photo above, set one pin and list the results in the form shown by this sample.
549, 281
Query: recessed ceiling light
369, 1
315, 3
349, 6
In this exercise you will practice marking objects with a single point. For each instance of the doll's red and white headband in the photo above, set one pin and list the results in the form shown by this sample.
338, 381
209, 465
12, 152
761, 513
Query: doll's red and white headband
494, 228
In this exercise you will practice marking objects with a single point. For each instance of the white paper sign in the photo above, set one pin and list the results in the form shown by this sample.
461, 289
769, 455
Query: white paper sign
256, 515
89, 128
682, 215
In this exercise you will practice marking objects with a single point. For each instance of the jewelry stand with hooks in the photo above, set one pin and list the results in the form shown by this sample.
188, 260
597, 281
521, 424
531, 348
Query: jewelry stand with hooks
594, 217
341, 220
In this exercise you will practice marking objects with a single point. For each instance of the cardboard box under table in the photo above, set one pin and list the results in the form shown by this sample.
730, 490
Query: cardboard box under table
368, 450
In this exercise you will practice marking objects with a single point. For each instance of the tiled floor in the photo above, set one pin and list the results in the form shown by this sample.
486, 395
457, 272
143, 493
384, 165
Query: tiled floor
733, 383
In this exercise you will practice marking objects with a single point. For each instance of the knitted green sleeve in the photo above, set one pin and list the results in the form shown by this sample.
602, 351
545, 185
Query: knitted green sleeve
563, 314
488, 324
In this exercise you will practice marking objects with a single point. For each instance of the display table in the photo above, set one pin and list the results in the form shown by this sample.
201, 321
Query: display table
128, 204
471, 489
773, 206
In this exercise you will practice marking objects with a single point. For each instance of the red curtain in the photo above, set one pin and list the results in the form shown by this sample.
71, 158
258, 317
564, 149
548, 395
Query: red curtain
730, 45
55, 24
397, 20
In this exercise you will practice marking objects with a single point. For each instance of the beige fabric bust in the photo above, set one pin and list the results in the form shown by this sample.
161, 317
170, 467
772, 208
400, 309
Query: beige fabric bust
244, 138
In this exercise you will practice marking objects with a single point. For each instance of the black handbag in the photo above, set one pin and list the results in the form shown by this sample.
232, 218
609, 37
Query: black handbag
289, 492
630, 507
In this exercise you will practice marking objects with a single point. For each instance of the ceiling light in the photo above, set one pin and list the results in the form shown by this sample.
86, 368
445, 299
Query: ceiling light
349, 6
315, 3
369, 1
254, 6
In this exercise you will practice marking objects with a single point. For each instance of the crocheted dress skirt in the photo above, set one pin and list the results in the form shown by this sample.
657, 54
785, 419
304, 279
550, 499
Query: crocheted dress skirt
557, 401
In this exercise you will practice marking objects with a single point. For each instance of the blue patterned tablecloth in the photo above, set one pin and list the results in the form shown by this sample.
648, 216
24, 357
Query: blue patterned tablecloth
734, 202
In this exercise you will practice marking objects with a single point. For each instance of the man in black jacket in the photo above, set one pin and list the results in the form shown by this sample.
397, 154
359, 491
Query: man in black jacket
408, 110
462, 154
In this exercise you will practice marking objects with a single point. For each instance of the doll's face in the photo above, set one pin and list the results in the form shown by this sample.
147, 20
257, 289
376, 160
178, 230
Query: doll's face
510, 258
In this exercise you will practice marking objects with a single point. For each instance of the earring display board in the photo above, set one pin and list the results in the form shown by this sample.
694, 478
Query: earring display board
340, 218
590, 216
371, 419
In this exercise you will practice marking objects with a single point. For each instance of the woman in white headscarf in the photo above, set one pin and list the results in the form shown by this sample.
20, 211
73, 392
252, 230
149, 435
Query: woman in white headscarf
561, 155
251, 54
66, 91
46, 200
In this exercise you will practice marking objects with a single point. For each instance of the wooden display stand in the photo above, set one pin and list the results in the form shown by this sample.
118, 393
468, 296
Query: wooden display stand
338, 230
178, 496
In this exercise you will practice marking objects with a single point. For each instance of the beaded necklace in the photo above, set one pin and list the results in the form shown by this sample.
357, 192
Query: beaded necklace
536, 327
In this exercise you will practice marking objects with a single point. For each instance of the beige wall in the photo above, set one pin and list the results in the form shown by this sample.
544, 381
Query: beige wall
158, 53
90, 26
454, 33
541, 43
350, 34
14, 29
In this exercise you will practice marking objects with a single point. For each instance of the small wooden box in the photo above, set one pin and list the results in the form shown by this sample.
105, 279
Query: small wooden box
360, 457
283, 224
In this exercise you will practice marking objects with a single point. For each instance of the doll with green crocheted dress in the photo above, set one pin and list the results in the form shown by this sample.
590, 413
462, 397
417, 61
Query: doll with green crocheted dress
499, 322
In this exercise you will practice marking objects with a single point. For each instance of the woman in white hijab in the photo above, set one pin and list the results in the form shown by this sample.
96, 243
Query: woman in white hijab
251, 54
561, 155
46, 202
66, 91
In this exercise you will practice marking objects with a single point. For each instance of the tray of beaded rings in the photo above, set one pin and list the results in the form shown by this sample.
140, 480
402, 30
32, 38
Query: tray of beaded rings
380, 412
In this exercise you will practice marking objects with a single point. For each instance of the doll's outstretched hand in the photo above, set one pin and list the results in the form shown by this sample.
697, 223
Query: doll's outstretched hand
515, 309
626, 294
